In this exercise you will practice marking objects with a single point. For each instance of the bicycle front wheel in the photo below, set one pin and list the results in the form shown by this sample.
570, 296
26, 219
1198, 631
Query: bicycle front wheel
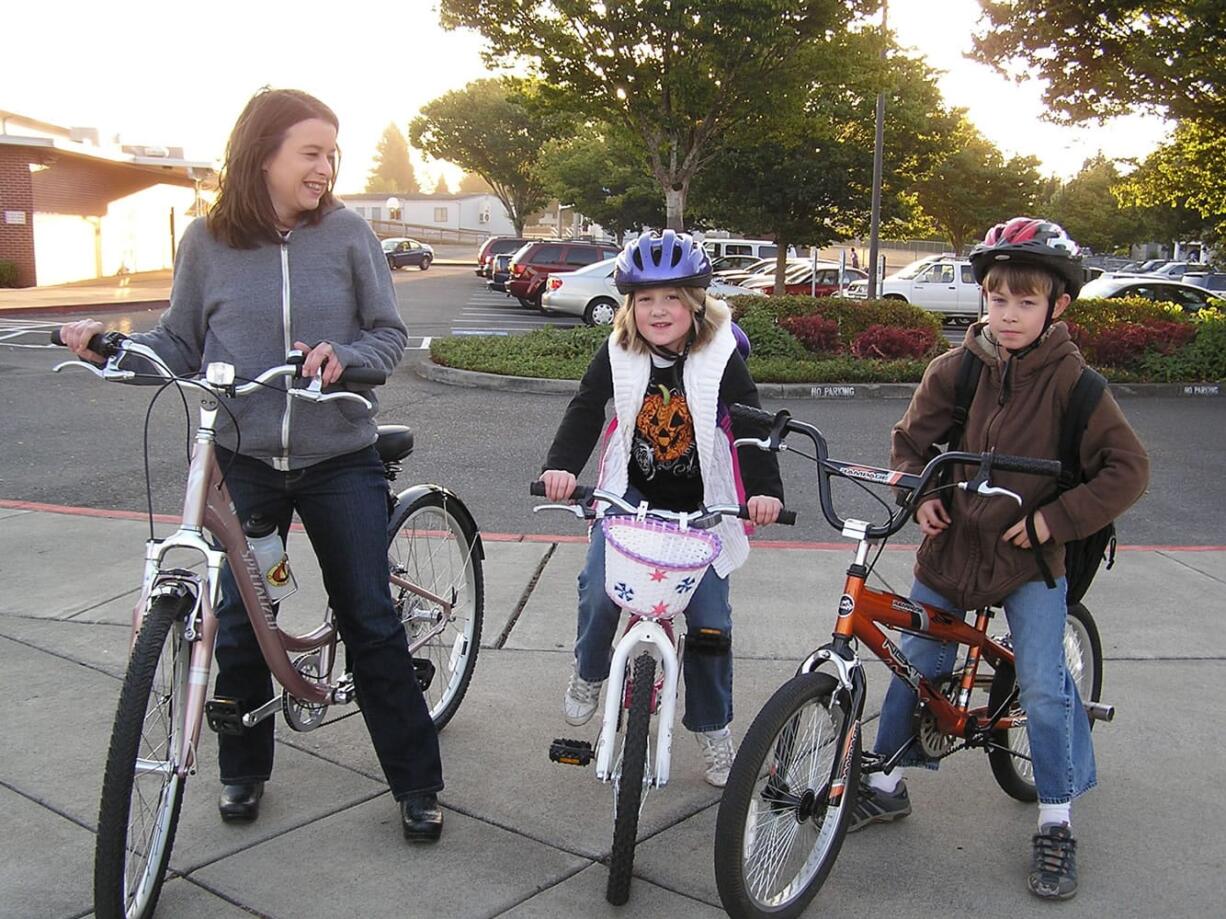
777, 833
628, 783
434, 548
142, 790
1010, 757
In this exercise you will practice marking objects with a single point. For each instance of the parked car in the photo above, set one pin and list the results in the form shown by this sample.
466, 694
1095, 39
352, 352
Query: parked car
758, 269
1189, 296
1210, 280
759, 248
591, 293
534, 263
401, 251
943, 284
800, 279
500, 270
724, 263
496, 245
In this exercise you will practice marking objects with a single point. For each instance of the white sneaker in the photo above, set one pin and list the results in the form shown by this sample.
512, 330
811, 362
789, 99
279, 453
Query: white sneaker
581, 700
718, 753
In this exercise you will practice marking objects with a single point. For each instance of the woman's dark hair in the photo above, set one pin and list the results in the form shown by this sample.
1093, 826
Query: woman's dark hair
243, 215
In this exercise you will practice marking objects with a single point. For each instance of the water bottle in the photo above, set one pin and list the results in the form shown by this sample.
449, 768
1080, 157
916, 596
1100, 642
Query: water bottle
270, 555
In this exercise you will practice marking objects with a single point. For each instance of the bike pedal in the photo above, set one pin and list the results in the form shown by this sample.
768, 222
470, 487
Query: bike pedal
570, 752
424, 671
708, 642
224, 716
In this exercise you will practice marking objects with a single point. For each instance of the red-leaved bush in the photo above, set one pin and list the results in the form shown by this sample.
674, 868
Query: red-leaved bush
1127, 342
888, 343
817, 334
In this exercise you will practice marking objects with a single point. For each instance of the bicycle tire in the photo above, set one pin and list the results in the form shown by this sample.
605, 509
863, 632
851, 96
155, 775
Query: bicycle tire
629, 783
436, 548
1014, 775
128, 873
760, 804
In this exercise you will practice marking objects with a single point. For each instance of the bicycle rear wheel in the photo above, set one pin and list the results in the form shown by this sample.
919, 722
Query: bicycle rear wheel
1083, 655
629, 781
141, 788
433, 546
777, 835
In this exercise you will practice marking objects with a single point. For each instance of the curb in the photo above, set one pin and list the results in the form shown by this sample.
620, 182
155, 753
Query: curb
110, 306
451, 376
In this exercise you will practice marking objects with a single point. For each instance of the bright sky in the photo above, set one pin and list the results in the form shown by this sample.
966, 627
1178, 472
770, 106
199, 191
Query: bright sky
164, 73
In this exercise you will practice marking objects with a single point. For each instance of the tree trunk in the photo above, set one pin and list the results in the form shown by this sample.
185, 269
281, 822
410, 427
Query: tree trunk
781, 267
674, 202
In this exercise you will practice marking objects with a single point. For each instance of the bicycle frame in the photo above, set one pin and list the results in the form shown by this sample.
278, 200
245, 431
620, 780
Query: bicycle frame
655, 634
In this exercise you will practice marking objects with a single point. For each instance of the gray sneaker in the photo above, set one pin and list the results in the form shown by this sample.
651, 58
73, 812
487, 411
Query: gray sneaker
1053, 864
876, 806
581, 700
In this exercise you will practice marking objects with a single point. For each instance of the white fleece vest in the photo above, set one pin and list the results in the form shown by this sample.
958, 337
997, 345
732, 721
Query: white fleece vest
704, 369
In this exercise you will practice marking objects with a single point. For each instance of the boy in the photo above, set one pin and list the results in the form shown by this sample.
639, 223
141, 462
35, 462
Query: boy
978, 552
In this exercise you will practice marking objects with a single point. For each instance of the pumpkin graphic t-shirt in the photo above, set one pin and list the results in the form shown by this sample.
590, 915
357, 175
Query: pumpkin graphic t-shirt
663, 454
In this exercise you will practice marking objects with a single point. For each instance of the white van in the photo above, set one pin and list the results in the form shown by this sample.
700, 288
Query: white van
758, 248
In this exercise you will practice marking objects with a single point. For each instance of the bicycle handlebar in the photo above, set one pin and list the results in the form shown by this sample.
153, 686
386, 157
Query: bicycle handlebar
585, 495
776, 428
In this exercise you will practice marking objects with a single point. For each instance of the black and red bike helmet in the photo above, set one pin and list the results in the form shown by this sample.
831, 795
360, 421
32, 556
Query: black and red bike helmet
1030, 241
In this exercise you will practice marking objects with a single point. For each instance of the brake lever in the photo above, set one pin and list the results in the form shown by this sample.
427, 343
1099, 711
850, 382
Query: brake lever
984, 488
759, 442
579, 510
106, 372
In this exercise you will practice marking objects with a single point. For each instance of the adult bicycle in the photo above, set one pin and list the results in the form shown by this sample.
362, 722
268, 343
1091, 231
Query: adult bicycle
435, 568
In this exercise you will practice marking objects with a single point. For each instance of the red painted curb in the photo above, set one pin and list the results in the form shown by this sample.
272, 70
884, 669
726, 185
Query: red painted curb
70, 510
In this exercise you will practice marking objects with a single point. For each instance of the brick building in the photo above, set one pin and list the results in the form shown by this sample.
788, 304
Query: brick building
58, 191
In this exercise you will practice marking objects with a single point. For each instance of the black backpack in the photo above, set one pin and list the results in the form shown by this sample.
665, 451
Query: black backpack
1081, 556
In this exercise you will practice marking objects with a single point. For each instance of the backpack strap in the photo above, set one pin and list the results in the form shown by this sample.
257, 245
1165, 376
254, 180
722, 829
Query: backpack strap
967, 382
1087, 392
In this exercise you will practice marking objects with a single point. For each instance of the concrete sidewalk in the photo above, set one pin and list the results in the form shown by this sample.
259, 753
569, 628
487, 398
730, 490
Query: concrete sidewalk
525, 837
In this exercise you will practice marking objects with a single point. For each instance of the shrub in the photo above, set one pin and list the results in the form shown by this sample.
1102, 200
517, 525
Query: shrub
1095, 315
8, 273
816, 333
768, 338
852, 316
1126, 343
1202, 360
890, 343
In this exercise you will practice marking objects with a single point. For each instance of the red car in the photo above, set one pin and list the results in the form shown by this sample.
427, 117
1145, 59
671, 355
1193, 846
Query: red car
799, 280
496, 245
532, 265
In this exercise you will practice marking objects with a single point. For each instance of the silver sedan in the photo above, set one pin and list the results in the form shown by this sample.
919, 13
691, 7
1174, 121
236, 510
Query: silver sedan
591, 293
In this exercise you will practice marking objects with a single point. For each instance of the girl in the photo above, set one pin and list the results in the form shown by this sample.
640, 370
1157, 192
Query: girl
671, 368
279, 264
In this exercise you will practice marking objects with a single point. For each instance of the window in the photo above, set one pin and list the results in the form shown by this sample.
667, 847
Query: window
440, 215
546, 255
968, 275
361, 211
829, 276
938, 274
738, 249
376, 213
581, 256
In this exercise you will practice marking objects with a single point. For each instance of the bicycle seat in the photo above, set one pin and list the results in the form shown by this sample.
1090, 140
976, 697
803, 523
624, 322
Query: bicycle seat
395, 442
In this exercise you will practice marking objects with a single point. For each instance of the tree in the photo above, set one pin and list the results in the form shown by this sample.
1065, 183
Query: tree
603, 172
392, 172
802, 174
493, 128
975, 187
1185, 181
473, 184
1104, 57
441, 187
676, 75
1087, 209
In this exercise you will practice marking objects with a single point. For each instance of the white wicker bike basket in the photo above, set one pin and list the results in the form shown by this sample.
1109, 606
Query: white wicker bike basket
652, 567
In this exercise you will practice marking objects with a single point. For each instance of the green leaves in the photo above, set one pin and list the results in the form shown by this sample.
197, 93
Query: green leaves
393, 171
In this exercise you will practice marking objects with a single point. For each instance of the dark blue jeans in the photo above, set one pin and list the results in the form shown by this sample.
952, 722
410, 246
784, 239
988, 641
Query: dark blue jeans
342, 503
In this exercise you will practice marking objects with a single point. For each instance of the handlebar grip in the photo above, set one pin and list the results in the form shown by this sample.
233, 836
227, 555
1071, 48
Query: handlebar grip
581, 494
786, 517
751, 415
1027, 465
363, 376
97, 343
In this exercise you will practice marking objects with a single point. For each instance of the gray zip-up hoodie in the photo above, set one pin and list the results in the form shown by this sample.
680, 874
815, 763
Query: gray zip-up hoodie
247, 307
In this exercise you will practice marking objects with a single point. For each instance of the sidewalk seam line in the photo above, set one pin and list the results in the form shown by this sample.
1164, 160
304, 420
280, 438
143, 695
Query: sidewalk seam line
4, 783
524, 597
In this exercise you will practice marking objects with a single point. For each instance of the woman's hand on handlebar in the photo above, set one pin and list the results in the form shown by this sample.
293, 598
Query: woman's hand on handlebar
764, 509
319, 356
932, 517
558, 484
1017, 534
76, 336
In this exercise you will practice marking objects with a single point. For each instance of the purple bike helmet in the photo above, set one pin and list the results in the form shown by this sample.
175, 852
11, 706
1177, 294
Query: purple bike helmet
662, 259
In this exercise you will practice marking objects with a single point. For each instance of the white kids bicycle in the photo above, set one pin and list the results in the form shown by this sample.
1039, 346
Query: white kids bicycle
654, 559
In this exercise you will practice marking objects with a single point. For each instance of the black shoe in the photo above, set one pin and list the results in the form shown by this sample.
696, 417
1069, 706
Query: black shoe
1053, 865
240, 802
421, 818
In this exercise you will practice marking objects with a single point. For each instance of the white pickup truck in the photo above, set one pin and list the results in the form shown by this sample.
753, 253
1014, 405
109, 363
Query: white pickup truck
940, 283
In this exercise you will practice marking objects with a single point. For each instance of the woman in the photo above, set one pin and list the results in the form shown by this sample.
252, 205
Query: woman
279, 264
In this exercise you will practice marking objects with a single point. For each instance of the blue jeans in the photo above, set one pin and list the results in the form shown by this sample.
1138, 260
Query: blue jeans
342, 503
1059, 730
708, 677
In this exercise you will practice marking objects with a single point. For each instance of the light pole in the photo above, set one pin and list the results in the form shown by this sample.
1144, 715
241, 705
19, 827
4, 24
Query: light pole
878, 153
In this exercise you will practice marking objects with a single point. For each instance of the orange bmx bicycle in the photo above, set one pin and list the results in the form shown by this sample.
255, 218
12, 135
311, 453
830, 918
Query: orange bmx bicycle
792, 787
